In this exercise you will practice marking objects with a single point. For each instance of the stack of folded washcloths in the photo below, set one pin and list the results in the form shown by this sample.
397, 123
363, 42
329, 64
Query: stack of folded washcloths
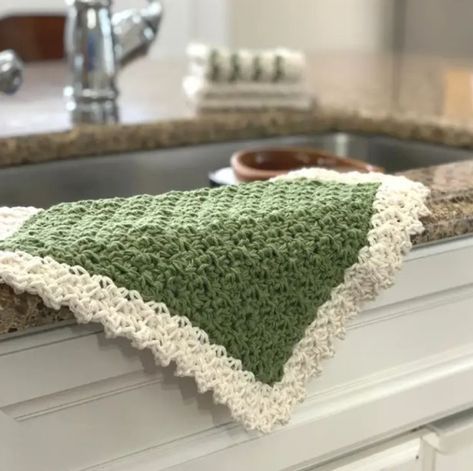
219, 78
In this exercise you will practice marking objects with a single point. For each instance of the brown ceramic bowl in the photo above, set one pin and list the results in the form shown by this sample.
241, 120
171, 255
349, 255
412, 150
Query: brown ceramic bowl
262, 164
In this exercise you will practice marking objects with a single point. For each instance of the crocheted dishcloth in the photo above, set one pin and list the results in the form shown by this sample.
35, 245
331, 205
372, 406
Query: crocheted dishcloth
244, 287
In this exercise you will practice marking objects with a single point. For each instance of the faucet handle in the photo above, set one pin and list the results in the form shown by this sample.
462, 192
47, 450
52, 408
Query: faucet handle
11, 72
153, 14
135, 30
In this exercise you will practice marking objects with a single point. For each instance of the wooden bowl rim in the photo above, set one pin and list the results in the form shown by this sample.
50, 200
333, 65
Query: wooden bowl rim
246, 172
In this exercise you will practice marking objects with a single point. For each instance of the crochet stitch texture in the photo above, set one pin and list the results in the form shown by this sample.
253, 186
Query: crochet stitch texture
244, 288
248, 264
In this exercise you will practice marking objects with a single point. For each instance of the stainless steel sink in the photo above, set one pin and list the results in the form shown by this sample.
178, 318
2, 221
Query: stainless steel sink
184, 168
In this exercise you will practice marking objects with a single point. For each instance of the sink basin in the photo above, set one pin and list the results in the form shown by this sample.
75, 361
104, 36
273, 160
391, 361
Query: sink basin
184, 168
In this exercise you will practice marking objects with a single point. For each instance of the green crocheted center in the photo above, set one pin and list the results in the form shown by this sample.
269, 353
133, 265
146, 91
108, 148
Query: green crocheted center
248, 264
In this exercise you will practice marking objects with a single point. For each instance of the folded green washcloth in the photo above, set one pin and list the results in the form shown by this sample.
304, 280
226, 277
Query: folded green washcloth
243, 287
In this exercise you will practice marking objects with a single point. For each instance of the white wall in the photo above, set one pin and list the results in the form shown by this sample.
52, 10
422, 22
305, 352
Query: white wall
361, 25
14, 6
177, 27
443, 28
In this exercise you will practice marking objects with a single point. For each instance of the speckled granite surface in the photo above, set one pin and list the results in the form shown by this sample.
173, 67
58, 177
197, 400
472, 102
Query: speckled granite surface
451, 200
427, 99
23, 311
421, 98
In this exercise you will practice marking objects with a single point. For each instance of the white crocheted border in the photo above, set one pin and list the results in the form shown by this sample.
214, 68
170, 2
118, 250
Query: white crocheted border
11, 219
398, 205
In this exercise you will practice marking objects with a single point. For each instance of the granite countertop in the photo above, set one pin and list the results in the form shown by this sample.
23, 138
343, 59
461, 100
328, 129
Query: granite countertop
428, 99
407, 97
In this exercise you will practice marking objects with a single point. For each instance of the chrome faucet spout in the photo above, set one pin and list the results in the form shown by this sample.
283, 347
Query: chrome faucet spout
98, 44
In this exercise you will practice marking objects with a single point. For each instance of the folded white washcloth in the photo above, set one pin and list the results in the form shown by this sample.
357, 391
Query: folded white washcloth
220, 78
218, 64
204, 94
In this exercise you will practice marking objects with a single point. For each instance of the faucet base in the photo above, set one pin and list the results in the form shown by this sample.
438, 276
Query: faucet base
92, 111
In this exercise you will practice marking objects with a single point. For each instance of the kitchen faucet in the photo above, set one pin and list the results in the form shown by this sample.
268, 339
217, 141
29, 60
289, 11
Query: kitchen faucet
11, 72
98, 43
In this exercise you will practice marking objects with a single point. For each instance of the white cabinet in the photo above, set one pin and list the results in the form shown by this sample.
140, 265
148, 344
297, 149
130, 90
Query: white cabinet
403, 454
451, 443
445, 445
461, 461
72, 400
